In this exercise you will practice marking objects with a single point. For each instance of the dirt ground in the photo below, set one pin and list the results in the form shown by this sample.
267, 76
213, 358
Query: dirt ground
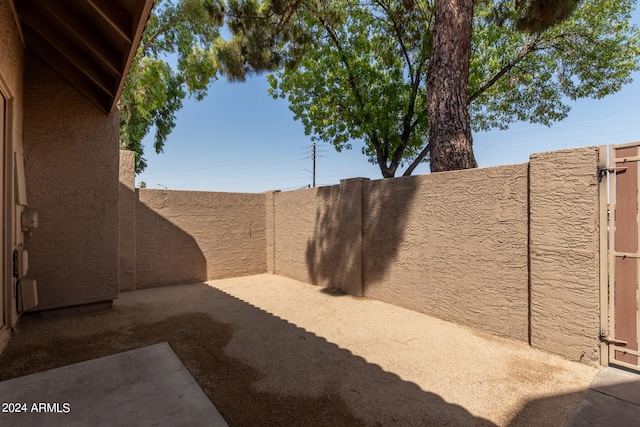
273, 351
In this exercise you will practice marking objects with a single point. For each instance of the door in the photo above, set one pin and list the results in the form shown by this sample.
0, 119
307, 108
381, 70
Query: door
624, 256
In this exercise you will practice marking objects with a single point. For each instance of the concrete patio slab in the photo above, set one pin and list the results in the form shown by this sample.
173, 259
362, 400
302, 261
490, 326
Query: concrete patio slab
612, 399
143, 387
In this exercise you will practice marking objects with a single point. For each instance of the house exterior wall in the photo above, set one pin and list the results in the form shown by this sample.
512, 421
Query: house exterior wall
71, 155
191, 236
565, 315
452, 245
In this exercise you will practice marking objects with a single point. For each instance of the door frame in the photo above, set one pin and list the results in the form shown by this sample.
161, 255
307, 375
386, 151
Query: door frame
6, 279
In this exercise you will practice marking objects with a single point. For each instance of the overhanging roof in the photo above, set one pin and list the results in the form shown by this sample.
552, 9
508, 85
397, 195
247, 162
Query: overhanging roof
91, 43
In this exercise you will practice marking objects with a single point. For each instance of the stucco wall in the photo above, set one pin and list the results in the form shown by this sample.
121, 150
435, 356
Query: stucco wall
318, 235
297, 218
452, 245
11, 82
126, 223
564, 253
71, 155
187, 236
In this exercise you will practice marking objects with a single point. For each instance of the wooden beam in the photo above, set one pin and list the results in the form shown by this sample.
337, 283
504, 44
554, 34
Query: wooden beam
46, 37
140, 20
82, 32
77, 79
117, 17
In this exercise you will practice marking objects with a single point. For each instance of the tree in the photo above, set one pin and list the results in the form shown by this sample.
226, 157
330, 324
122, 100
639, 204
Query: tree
361, 76
449, 121
447, 82
354, 76
183, 34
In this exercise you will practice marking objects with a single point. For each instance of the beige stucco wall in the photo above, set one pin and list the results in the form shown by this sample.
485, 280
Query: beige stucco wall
318, 235
564, 253
299, 219
71, 154
127, 222
452, 245
187, 236
11, 82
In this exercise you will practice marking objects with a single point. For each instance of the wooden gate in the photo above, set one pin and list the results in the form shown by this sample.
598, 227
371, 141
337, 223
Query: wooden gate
620, 331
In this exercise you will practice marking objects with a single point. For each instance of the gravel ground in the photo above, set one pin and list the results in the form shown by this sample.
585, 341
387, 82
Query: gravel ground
269, 350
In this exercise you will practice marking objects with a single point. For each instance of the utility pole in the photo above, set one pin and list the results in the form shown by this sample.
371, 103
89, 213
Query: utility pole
313, 156
315, 153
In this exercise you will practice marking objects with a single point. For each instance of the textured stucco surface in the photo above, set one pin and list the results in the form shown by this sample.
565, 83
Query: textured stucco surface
11, 76
270, 230
71, 155
318, 235
301, 236
564, 253
452, 245
126, 222
187, 236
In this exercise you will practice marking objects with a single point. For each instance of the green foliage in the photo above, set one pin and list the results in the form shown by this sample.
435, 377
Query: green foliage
357, 70
361, 73
536, 16
185, 31
590, 55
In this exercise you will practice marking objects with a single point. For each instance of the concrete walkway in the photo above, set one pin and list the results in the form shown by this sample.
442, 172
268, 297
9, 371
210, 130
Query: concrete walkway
268, 350
612, 399
147, 386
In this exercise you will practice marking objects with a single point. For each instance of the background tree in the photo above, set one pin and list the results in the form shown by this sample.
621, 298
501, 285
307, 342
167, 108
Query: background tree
361, 76
176, 58
357, 70
353, 76
450, 134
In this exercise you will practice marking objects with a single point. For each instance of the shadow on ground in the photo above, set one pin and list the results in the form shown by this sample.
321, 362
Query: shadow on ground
256, 368
261, 370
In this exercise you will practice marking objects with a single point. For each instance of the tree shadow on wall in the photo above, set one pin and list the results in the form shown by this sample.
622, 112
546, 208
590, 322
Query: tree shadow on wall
164, 254
359, 227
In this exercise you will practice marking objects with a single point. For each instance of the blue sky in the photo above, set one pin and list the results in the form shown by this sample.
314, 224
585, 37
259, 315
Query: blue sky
239, 139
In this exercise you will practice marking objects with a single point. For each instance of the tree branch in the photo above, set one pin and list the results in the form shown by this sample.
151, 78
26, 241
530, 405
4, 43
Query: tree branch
528, 47
417, 160
399, 37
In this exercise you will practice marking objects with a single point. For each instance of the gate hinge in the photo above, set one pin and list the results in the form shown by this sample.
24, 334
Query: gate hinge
605, 338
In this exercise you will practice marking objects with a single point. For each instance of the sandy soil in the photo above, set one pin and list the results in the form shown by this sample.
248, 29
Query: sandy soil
268, 350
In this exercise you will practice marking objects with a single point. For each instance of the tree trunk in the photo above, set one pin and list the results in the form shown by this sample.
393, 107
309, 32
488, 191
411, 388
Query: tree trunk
449, 122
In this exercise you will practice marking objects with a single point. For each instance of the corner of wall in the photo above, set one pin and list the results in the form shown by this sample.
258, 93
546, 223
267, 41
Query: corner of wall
270, 201
126, 222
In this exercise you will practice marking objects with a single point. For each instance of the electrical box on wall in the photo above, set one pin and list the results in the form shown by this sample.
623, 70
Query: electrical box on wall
27, 294
29, 219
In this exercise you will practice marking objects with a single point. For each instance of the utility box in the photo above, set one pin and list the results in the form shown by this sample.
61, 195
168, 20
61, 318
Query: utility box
27, 294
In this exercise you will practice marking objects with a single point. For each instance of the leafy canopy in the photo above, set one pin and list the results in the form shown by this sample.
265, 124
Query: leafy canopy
361, 76
361, 73
357, 70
